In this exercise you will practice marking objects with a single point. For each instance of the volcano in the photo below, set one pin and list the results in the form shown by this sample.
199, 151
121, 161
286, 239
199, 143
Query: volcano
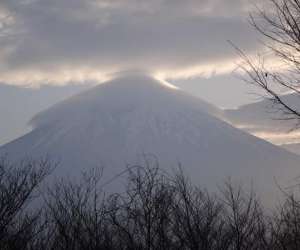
131, 118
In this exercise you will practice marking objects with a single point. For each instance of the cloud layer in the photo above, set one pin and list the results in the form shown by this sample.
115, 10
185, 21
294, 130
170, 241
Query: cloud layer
55, 41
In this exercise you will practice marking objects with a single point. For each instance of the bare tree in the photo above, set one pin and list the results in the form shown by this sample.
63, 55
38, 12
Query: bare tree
156, 210
279, 26
245, 221
20, 223
198, 217
77, 214
285, 226
143, 215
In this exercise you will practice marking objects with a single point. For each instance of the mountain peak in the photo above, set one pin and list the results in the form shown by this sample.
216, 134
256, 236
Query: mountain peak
130, 91
120, 121
138, 79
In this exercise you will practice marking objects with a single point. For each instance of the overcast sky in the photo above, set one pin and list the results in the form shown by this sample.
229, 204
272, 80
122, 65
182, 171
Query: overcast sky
186, 42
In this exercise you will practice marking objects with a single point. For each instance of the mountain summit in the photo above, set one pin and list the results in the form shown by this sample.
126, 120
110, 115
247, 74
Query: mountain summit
123, 120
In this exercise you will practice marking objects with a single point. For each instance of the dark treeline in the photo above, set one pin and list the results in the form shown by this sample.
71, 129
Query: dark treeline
155, 211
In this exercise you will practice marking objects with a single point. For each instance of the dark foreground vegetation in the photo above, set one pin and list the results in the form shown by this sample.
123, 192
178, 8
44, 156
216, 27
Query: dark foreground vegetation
155, 211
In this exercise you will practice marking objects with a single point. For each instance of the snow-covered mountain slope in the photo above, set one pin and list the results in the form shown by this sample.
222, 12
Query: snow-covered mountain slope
18, 104
293, 147
122, 120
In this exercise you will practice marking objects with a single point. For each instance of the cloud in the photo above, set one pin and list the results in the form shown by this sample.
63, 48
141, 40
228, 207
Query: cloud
56, 41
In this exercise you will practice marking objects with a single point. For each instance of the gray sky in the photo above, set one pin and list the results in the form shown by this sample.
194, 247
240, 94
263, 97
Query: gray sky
186, 42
